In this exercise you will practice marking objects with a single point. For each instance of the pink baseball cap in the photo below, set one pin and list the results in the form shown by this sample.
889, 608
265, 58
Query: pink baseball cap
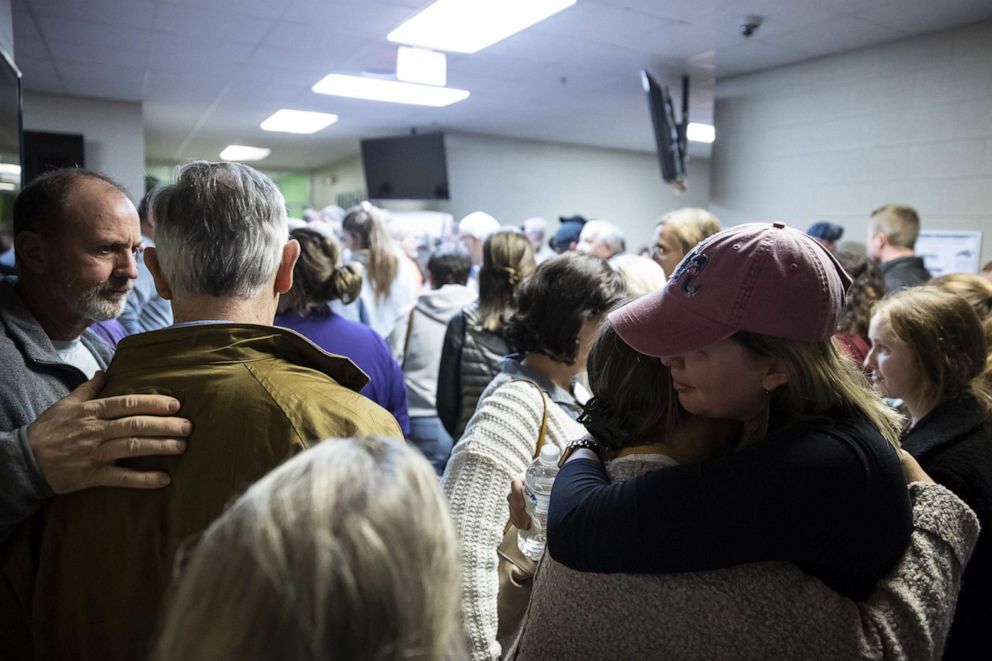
764, 278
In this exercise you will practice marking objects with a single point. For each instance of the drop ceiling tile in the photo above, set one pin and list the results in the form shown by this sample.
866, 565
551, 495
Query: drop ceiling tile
841, 33
120, 89
257, 8
601, 24
779, 17
127, 13
98, 56
42, 82
59, 31
210, 24
30, 48
918, 17
754, 55
314, 39
357, 18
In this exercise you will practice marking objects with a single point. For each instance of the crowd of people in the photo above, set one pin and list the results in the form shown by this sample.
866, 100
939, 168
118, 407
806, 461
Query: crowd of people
226, 435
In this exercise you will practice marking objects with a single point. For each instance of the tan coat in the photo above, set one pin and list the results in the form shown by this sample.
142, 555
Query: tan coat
90, 571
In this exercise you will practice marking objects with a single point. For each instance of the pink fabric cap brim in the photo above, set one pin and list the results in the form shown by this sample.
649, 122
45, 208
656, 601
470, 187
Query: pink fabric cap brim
657, 325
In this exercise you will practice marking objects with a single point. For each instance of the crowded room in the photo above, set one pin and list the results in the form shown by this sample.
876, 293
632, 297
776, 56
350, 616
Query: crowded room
430, 330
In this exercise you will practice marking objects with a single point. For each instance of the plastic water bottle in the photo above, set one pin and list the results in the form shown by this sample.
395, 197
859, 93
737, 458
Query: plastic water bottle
538, 480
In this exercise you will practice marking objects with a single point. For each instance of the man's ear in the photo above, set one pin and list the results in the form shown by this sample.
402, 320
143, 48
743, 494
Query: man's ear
161, 284
774, 377
33, 252
284, 274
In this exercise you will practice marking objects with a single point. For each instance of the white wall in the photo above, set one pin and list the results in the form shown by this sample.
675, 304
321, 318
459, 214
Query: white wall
836, 137
114, 137
6, 27
514, 179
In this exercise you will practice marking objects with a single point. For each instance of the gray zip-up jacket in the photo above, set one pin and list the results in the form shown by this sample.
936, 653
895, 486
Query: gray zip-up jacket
417, 340
32, 378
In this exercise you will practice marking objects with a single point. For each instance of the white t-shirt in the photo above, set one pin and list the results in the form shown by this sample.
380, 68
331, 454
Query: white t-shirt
75, 353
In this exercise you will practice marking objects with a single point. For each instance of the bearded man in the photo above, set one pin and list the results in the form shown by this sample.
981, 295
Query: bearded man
76, 235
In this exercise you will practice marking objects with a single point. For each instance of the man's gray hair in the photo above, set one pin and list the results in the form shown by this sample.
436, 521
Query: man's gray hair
608, 233
220, 230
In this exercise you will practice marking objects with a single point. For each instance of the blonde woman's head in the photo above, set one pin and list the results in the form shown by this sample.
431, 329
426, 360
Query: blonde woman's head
642, 275
947, 343
344, 552
678, 232
973, 288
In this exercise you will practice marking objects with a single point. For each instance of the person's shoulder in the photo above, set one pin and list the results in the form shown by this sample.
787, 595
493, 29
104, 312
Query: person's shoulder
328, 408
513, 396
842, 440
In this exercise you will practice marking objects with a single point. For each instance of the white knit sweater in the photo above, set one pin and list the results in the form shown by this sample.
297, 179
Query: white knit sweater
498, 444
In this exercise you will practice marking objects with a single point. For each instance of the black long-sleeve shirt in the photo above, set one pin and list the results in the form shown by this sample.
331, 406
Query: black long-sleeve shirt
829, 496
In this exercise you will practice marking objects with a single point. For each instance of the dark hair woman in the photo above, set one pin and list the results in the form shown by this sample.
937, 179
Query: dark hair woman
867, 288
558, 312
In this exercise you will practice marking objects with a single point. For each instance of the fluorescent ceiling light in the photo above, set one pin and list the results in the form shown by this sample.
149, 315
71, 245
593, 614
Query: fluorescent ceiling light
10, 169
421, 65
390, 91
6, 186
700, 132
244, 153
298, 121
468, 26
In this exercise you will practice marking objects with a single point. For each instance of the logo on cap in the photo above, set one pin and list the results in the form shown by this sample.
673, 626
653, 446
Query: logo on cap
690, 267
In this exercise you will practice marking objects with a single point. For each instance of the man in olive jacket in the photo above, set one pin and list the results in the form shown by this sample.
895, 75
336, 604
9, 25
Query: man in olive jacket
87, 577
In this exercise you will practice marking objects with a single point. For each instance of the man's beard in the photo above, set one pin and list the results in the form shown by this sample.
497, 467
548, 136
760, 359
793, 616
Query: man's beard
100, 302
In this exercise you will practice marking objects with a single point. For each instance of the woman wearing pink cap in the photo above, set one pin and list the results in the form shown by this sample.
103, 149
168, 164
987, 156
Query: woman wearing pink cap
745, 325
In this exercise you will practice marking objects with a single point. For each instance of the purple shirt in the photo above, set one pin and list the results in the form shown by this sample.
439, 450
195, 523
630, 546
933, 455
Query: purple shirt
335, 334
110, 331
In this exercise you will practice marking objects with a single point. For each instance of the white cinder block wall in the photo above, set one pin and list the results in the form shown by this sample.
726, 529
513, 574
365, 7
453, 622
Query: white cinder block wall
836, 137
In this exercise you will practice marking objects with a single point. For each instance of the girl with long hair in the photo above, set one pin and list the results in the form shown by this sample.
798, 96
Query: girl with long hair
390, 281
475, 340
929, 349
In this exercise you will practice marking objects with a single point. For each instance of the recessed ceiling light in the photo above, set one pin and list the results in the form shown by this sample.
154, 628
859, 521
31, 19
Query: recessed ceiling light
244, 153
700, 132
298, 121
468, 27
421, 65
390, 91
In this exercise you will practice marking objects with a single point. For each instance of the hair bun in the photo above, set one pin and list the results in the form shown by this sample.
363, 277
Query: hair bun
511, 275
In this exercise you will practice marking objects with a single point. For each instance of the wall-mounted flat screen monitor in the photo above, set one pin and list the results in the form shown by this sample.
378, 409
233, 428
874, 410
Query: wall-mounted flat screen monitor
669, 144
409, 167
10, 137
44, 151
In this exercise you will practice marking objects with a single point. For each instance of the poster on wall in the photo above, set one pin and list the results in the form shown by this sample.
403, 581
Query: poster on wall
949, 251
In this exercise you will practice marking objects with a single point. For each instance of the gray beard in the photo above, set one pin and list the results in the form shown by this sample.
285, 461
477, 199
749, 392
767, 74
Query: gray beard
93, 303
